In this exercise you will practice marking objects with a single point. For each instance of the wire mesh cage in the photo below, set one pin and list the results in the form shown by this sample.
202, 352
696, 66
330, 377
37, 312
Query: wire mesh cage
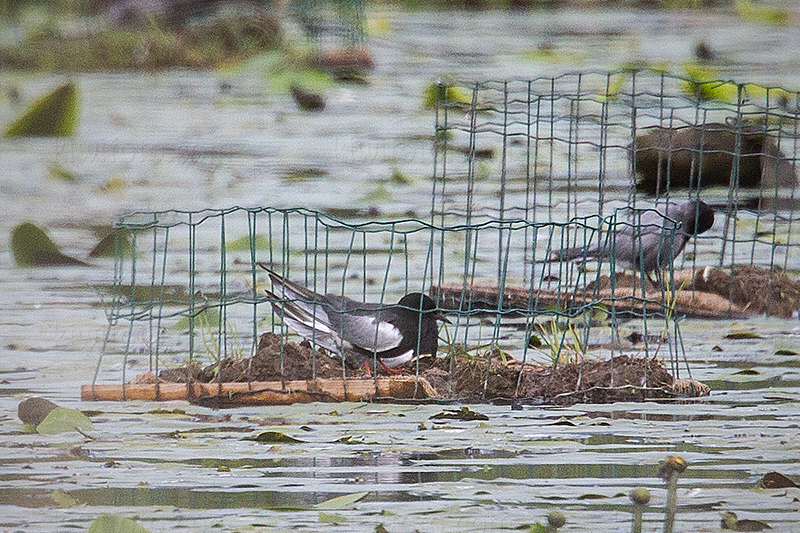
191, 294
540, 212
335, 30
582, 144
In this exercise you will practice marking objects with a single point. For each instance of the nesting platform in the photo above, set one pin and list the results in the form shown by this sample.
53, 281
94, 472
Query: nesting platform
273, 377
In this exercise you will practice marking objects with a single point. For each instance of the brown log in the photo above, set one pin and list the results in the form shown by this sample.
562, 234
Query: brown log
624, 299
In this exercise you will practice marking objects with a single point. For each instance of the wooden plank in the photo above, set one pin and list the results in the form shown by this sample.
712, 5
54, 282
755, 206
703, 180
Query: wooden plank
267, 392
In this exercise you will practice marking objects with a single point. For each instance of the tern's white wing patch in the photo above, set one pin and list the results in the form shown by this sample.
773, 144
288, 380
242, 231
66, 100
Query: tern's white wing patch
369, 333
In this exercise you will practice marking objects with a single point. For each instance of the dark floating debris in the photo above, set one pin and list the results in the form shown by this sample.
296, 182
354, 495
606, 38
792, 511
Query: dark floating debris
703, 155
307, 100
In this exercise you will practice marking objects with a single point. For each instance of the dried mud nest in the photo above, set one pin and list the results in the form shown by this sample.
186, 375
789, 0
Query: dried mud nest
466, 377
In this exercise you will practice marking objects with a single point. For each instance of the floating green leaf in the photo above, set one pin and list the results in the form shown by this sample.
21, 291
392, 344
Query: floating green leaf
33, 248
53, 115
760, 13
342, 502
242, 244
444, 94
114, 242
704, 84
111, 523
62, 419
331, 518
274, 437
62, 499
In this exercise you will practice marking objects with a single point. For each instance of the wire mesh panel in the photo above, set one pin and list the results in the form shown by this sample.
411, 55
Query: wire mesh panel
575, 145
330, 24
191, 290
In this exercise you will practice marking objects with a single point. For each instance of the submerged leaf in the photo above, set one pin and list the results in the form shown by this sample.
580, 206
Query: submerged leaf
776, 480
33, 248
111, 523
53, 115
62, 499
737, 335
59, 172
62, 419
342, 502
274, 437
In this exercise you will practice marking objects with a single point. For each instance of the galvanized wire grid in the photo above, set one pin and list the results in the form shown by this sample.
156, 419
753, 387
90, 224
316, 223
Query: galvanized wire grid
560, 175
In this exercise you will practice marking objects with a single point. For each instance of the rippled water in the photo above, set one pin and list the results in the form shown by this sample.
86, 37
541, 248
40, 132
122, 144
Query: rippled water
176, 140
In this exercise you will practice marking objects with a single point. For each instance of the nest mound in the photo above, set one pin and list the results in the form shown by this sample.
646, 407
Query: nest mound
755, 289
480, 378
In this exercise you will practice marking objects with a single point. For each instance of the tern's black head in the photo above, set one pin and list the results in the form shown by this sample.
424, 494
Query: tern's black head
703, 218
421, 302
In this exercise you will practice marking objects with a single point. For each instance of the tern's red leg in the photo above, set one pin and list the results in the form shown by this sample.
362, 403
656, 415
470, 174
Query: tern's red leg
390, 371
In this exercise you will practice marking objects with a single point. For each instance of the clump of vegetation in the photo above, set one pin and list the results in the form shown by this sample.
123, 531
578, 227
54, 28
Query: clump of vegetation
145, 46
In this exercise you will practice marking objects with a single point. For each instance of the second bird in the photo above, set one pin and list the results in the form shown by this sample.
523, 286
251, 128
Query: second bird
651, 241
358, 331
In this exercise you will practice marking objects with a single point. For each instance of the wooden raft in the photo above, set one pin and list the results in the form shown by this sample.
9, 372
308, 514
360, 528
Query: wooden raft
266, 392
625, 300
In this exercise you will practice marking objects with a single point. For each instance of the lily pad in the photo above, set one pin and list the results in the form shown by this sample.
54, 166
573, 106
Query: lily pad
63, 419
111, 523
112, 243
33, 248
342, 502
53, 115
